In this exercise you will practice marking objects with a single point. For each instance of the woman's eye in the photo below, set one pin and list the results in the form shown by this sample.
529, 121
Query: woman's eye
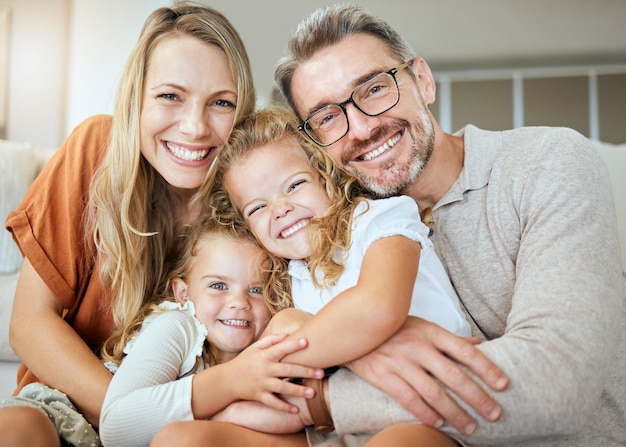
219, 286
169, 96
225, 103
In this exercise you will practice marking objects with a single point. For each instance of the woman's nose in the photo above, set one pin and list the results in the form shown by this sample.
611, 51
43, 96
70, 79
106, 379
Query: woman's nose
195, 121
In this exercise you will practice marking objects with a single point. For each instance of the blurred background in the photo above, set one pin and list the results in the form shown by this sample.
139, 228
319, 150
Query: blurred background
499, 63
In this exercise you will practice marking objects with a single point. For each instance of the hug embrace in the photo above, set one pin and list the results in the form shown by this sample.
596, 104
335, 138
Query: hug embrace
521, 260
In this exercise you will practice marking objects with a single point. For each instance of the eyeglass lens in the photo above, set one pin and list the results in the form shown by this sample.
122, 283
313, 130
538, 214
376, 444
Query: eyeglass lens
373, 97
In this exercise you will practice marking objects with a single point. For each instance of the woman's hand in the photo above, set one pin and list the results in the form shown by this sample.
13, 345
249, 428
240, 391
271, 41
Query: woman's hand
414, 363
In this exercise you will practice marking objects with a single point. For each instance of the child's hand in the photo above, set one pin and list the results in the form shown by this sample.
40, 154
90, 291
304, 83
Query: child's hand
259, 373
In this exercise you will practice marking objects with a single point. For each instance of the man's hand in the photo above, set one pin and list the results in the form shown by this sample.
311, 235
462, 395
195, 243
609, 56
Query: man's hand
414, 363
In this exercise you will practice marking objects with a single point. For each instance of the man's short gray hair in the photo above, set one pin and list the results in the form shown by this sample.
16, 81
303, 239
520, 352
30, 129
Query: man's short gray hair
329, 26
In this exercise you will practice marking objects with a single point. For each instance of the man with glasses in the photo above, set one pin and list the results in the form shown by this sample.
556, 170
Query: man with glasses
524, 223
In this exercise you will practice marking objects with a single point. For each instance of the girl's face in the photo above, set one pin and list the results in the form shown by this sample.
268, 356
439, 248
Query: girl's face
278, 193
188, 108
225, 285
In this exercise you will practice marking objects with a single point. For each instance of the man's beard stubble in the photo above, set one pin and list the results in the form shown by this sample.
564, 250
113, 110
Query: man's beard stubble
394, 178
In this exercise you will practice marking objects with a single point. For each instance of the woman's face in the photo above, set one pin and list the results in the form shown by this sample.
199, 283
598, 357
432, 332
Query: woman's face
187, 110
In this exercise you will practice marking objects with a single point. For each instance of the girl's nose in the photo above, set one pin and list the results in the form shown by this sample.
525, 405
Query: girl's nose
238, 300
281, 208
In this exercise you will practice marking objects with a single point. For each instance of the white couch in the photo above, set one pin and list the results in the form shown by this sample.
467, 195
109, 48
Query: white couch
20, 163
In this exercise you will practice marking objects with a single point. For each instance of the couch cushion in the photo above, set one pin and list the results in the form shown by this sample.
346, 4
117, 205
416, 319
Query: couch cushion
18, 169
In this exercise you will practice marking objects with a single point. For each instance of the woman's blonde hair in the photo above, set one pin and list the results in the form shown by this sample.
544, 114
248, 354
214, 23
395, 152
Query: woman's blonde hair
330, 234
131, 207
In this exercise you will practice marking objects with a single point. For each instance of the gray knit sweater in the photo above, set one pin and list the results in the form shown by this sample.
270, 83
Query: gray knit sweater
528, 235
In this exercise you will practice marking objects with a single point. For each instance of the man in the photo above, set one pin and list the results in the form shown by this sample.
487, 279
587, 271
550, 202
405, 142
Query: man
524, 222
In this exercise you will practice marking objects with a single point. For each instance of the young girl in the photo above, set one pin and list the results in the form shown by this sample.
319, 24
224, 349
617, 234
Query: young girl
360, 266
181, 362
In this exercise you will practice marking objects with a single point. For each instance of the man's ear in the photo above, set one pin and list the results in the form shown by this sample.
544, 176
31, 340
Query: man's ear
425, 80
181, 291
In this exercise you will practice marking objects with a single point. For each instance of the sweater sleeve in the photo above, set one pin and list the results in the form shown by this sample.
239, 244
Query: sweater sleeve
146, 393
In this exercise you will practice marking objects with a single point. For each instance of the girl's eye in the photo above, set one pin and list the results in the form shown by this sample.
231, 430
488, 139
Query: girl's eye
219, 286
255, 209
295, 184
256, 290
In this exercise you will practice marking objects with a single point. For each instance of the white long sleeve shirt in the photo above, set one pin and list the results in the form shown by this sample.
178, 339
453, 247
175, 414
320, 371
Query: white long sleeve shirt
152, 386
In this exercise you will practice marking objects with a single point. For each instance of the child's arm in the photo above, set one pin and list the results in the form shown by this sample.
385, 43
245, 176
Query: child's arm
256, 375
363, 317
146, 393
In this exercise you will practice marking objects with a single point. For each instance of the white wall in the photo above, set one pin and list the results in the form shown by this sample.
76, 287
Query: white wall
102, 35
67, 55
37, 70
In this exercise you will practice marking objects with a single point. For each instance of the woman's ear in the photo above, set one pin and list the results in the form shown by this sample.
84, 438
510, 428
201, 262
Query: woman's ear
425, 80
181, 291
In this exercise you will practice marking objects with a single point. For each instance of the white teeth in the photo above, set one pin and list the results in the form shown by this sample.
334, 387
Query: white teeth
291, 230
186, 154
242, 323
391, 142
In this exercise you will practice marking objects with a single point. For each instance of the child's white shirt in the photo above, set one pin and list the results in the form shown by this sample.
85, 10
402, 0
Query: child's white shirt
434, 297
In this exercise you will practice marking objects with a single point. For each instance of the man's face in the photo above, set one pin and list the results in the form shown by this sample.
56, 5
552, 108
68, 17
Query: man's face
387, 151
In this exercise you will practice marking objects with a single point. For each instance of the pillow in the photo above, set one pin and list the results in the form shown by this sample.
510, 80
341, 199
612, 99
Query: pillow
17, 171
8, 283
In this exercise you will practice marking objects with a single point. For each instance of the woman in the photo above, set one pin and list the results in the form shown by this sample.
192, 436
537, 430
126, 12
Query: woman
102, 218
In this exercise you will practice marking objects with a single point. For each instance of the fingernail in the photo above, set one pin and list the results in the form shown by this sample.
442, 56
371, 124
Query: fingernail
495, 414
469, 428
501, 382
438, 423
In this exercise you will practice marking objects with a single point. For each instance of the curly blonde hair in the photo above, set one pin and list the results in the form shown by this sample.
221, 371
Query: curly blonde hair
131, 207
330, 234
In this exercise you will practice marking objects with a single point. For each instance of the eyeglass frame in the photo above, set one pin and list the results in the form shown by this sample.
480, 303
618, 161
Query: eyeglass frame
342, 105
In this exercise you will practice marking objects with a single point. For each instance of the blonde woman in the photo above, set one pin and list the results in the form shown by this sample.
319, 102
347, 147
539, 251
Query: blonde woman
102, 219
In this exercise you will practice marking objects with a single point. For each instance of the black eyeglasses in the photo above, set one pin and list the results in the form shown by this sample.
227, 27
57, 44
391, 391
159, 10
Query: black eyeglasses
373, 97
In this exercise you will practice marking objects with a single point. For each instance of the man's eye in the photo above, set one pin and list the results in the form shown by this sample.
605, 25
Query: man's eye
375, 89
325, 119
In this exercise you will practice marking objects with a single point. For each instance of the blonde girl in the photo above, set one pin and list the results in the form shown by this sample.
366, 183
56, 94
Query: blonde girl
184, 363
